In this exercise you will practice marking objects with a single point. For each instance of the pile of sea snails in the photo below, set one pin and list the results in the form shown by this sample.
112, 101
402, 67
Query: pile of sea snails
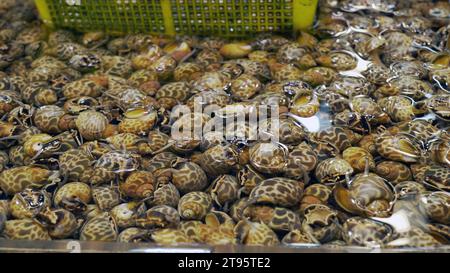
86, 150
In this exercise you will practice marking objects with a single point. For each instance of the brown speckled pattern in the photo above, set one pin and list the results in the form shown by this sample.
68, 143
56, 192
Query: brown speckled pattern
436, 206
28, 203
105, 197
224, 190
187, 71
73, 192
89, 148
25, 229
270, 158
99, 228
365, 232
47, 118
166, 194
332, 170
217, 160
194, 205
278, 191
397, 148
170, 237
393, 171
278, 218
139, 125
321, 222
74, 163
255, 234
132, 235
17, 179
82, 87
161, 216
188, 177
301, 159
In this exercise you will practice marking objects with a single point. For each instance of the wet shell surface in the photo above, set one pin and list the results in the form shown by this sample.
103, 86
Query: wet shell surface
393, 171
366, 232
367, 194
255, 234
91, 124
73, 195
277, 191
25, 229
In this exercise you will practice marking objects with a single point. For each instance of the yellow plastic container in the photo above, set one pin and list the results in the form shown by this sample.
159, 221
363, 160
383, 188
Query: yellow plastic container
226, 18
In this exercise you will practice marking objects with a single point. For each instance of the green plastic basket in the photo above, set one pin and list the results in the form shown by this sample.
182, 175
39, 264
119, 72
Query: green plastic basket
227, 18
